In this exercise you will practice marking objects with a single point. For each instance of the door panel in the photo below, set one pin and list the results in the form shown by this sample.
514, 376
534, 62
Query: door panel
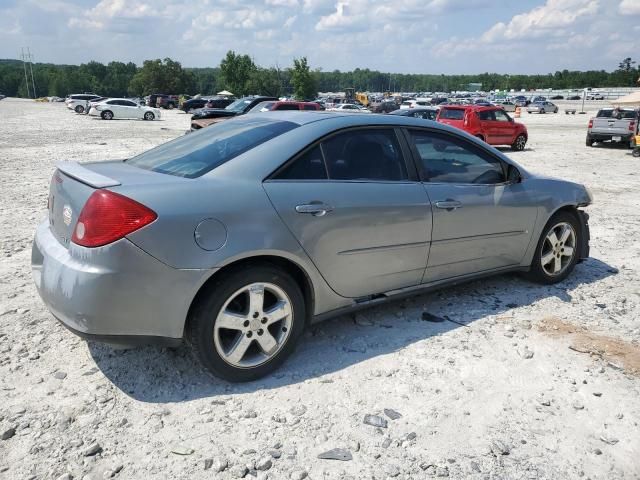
491, 228
479, 222
373, 239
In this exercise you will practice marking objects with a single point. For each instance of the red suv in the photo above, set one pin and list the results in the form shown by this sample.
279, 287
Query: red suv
491, 124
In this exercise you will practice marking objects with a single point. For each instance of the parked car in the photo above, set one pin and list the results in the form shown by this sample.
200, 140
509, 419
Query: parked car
542, 107
193, 104
2, 96
414, 104
427, 113
207, 116
222, 102
383, 106
537, 98
163, 100
122, 108
491, 124
288, 219
618, 125
557, 97
507, 105
574, 97
288, 105
78, 102
349, 108
595, 96
521, 101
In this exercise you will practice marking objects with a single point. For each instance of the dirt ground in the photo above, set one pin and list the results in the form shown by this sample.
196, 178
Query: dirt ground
519, 382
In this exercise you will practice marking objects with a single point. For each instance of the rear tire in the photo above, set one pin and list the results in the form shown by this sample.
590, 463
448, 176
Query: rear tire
149, 116
552, 262
519, 143
171, 106
542, 110
589, 141
107, 115
228, 300
79, 109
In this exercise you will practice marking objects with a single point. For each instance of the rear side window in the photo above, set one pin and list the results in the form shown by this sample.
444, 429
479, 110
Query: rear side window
486, 115
308, 166
368, 154
605, 114
287, 106
452, 113
627, 114
195, 154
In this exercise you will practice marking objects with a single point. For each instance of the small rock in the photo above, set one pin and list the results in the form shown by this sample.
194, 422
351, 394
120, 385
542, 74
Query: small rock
248, 451
411, 436
392, 414
597, 451
208, 463
220, 464
526, 353
264, 464
597, 394
182, 450
250, 414
279, 418
298, 410
475, 467
442, 471
298, 475
498, 447
275, 453
60, 375
375, 421
546, 402
7, 432
391, 470
386, 443
65, 476
509, 328
239, 471
336, 454
578, 405
92, 449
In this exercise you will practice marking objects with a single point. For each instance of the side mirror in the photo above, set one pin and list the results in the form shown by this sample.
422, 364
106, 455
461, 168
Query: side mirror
513, 175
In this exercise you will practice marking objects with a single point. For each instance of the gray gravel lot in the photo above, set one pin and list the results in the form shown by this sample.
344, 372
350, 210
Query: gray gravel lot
492, 392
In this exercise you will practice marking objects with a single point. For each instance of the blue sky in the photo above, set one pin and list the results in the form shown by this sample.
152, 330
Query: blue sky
409, 36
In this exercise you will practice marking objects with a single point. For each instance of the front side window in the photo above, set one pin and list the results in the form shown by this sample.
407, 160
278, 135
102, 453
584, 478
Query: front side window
501, 116
448, 159
367, 154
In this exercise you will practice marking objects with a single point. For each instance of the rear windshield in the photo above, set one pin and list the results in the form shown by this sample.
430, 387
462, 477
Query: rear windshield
197, 153
452, 113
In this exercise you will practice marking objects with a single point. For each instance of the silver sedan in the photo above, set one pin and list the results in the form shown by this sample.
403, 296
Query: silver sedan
237, 237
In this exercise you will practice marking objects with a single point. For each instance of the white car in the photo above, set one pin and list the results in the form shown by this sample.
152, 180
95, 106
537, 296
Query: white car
414, 103
349, 107
123, 108
78, 102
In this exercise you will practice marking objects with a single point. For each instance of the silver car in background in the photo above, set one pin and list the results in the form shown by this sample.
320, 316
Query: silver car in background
236, 237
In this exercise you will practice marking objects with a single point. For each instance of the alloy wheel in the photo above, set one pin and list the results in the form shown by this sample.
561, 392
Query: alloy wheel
558, 249
253, 325
520, 142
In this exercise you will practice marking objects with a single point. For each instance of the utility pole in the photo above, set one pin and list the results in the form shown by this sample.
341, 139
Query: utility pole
26, 78
33, 82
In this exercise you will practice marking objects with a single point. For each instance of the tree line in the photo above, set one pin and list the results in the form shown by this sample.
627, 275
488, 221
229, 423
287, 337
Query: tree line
239, 74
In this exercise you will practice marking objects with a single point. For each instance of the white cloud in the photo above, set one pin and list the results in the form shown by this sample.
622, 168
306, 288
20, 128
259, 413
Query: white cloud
629, 7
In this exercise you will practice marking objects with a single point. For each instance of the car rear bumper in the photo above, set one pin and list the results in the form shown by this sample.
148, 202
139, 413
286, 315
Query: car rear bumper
117, 293
602, 137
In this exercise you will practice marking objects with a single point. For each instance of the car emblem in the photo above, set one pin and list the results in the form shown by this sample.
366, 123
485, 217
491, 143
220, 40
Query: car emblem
67, 213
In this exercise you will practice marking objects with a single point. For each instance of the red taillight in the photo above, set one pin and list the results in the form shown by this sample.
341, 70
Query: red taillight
591, 123
107, 217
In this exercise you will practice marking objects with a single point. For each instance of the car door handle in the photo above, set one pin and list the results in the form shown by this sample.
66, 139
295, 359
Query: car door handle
448, 204
316, 209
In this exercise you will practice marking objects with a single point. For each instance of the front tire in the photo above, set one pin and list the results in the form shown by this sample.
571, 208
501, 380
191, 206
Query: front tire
557, 250
149, 116
519, 143
247, 322
107, 115
79, 109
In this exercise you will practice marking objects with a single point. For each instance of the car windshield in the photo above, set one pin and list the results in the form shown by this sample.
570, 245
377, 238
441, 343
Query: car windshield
195, 154
261, 107
239, 105
452, 113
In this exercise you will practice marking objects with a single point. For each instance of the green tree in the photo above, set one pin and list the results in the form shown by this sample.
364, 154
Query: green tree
161, 76
303, 81
237, 72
